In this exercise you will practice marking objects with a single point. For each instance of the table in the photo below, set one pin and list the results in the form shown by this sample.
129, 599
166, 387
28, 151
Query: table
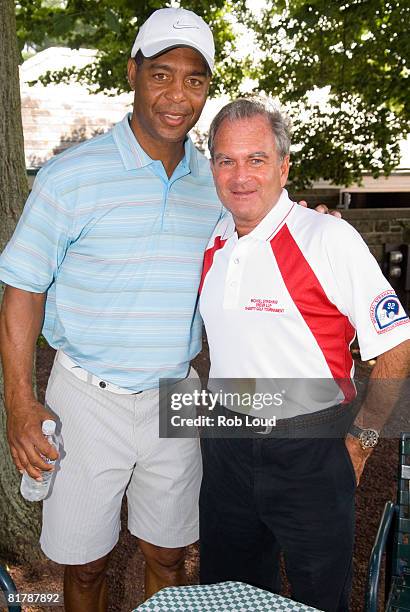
221, 597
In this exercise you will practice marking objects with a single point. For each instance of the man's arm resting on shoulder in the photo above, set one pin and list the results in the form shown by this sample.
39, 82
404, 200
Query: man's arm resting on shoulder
21, 320
387, 376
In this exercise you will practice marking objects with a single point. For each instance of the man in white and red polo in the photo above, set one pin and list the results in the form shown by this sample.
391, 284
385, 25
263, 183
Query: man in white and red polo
283, 295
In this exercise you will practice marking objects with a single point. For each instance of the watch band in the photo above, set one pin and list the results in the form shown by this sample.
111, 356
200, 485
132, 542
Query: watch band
368, 437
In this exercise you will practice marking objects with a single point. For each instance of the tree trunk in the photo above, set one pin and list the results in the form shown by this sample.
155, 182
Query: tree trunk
19, 520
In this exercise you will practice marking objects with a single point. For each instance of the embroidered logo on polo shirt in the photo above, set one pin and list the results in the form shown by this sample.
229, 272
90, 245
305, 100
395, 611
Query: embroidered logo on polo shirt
260, 304
386, 312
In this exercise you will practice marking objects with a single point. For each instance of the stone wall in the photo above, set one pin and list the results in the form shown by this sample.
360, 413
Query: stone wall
380, 226
313, 197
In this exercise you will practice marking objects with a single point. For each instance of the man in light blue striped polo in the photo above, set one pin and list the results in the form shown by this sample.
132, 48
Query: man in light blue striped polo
106, 261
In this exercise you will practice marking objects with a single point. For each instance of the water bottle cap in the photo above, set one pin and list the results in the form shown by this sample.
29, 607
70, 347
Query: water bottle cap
48, 427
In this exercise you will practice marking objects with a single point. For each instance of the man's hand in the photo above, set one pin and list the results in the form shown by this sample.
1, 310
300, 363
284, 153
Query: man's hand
386, 379
21, 319
322, 208
26, 440
358, 455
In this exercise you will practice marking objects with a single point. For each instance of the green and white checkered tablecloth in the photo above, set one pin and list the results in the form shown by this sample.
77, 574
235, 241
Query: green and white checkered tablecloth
222, 597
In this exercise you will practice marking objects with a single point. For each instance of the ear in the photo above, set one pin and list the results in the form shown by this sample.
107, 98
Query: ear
284, 170
132, 70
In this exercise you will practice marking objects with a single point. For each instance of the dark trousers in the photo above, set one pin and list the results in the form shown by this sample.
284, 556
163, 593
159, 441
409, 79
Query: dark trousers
263, 496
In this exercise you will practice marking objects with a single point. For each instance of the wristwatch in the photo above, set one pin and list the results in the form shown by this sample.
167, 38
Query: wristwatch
368, 437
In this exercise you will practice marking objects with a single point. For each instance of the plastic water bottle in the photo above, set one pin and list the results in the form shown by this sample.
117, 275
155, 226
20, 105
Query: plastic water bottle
36, 490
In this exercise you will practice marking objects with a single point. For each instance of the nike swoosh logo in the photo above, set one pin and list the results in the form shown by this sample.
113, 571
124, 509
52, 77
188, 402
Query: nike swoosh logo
181, 26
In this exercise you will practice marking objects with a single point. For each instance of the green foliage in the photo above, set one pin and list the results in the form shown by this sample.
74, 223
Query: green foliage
361, 49
110, 26
41, 341
358, 48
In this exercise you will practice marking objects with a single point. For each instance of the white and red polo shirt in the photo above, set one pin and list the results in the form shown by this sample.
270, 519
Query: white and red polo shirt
286, 300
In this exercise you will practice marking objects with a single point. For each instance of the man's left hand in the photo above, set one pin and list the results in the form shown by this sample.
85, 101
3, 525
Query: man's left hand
358, 456
322, 208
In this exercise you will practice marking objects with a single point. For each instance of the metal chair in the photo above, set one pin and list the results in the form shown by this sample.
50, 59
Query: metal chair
393, 537
8, 587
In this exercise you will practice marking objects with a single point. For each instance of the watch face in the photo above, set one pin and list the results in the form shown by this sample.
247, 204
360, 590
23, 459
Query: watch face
369, 438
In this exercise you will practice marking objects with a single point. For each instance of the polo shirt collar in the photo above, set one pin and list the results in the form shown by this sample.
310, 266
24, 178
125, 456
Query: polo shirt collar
191, 154
274, 219
269, 224
133, 155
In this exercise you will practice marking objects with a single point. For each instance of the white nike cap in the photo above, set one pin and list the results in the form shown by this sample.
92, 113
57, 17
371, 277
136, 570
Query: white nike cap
168, 28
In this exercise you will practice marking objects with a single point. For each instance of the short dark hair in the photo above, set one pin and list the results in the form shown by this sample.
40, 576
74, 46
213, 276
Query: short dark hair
139, 57
246, 108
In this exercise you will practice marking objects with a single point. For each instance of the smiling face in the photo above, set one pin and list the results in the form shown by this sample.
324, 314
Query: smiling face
170, 93
248, 174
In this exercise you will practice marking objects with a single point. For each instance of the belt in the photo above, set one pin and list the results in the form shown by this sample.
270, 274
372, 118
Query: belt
324, 423
79, 372
321, 417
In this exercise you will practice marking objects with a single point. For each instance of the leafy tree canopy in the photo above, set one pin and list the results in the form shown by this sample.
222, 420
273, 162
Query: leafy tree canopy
360, 50
110, 27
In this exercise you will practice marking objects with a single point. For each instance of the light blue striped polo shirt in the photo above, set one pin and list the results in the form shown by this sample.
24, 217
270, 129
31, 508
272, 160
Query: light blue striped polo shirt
118, 247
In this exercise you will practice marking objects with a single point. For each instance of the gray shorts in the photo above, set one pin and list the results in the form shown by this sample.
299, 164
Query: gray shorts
111, 445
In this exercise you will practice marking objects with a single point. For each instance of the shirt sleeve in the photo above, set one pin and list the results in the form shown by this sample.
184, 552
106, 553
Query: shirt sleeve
37, 248
364, 294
